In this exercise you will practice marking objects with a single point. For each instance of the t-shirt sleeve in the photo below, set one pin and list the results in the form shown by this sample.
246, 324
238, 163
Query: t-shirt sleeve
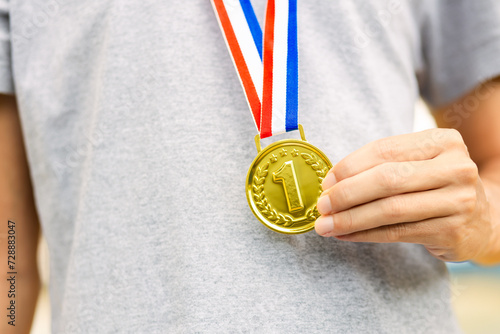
6, 81
460, 47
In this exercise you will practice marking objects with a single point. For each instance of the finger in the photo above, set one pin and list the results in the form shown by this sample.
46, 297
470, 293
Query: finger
382, 181
410, 207
429, 232
408, 147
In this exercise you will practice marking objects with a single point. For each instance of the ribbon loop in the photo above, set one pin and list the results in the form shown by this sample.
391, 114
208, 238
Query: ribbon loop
268, 68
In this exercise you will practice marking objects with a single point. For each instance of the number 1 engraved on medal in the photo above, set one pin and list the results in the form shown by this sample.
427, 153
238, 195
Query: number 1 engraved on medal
286, 176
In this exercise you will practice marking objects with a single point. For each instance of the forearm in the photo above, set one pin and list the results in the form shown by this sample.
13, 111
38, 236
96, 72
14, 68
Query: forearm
479, 126
24, 294
490, 176
16, 205
26, 284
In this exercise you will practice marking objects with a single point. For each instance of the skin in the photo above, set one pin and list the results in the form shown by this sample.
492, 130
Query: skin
439, 188
17, 204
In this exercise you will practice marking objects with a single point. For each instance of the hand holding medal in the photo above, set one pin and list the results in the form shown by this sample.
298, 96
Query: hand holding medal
284, 181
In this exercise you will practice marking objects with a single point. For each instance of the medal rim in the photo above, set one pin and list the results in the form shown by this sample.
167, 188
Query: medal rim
248, 182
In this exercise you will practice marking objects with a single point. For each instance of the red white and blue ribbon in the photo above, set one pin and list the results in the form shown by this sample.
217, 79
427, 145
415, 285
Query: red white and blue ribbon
267, 64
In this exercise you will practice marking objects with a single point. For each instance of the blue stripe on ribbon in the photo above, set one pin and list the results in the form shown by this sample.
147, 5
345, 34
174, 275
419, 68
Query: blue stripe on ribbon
292, 79
254, 25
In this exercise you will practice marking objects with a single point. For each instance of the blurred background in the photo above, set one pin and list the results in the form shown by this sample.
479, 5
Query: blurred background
475, 291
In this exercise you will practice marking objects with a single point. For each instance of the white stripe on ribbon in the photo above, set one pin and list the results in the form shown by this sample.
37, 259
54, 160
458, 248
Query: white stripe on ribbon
280, 56
246, 43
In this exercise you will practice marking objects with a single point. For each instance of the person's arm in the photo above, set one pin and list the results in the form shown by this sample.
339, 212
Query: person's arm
477, 117
424, 187
17, 205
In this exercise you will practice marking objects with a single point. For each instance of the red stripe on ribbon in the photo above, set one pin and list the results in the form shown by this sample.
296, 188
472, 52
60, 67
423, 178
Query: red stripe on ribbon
251, 92
267, 96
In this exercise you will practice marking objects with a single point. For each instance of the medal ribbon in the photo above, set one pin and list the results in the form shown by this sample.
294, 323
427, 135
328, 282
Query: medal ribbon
266, 65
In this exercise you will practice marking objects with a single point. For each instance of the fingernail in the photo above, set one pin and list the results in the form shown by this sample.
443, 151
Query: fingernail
329, 181
324, 225
324, 205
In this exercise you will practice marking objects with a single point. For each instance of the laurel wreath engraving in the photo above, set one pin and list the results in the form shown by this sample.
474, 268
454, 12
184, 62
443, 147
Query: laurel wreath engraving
317, 165
267, 210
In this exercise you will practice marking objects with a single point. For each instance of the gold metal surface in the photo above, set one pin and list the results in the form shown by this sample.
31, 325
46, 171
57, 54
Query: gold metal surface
284, 183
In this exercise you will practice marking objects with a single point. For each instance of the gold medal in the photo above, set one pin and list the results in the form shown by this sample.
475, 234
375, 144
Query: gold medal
284, 181
284, 184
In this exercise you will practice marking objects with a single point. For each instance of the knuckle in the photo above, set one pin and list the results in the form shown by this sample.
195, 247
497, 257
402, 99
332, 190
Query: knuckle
453, 136
466, 172
446, 256
389, 177
387, 148
392, 208
343, 222
394, 233
452, 232
456, 234
468, 201
427, 147
343, 198
448, 138
454, 140
343, 169
437, 252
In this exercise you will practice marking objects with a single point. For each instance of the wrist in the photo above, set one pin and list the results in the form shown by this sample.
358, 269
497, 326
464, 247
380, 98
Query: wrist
490, 251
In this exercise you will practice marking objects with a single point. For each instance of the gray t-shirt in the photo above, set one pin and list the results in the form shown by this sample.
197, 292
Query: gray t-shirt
139, 139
